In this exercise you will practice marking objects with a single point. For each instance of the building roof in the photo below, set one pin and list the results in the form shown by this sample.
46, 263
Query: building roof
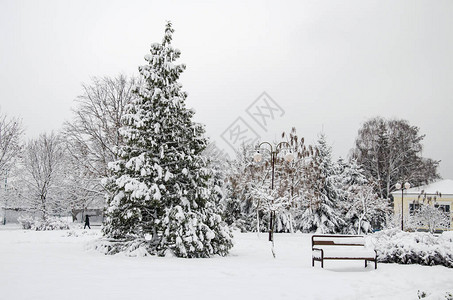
445, 187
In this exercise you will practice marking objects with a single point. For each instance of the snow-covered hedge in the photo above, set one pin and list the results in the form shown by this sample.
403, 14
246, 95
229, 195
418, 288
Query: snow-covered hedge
51, 223
395, 246
436, 295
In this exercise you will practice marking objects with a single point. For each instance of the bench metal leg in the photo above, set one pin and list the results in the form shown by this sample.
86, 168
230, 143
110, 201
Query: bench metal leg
375, 264
366, 263
322, 263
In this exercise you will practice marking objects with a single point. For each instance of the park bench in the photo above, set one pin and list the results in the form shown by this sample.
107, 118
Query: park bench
341, 247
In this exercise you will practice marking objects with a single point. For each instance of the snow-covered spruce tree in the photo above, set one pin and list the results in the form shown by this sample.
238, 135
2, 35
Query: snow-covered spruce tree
361, 207
160, 196
322, 214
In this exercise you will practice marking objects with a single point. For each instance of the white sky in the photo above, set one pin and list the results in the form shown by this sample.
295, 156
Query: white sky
331, 65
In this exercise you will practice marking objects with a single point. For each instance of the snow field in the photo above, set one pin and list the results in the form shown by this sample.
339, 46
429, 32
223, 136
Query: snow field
57, 265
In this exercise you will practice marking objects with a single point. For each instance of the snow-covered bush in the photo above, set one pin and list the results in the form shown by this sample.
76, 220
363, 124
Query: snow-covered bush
396, 246
51, 223
435, 295
132, 248
25, 221
430, 217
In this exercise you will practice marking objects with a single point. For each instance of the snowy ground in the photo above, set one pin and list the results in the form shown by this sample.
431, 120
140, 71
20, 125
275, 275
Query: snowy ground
56, 265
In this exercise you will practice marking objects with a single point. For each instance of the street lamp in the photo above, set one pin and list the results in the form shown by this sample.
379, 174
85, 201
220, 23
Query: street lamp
274, 152
406, 186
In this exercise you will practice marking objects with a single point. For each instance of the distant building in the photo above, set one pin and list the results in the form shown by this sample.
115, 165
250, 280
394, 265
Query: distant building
439, 194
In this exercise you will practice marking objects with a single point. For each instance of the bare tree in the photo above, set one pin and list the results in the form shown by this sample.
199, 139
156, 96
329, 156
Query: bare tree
10, 136
10, 147
243, 175
93, 134
390, 151
41, 176
430, 217
427, 213
76, 186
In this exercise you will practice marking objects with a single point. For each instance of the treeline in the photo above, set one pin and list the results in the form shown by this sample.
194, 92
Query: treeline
314, 193
60, 172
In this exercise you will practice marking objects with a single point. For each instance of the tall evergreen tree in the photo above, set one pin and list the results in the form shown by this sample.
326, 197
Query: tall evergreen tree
322, 214
160, 192
360, 205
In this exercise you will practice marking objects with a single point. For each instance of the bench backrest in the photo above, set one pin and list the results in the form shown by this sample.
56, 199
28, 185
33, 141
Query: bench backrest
337, 240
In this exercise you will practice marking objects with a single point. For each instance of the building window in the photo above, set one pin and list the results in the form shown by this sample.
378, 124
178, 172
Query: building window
413, 208
443, 207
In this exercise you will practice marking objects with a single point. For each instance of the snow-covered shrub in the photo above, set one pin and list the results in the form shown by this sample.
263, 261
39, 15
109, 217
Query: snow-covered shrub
25, 221
396, 246
51, 223
421, 294
435, 295
132, 248
430, 217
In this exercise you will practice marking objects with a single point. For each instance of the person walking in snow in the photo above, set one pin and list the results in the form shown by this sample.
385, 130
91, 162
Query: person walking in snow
87, 222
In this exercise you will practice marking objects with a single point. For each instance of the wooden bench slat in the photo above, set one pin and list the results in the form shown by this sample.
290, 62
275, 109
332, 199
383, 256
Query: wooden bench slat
334, 244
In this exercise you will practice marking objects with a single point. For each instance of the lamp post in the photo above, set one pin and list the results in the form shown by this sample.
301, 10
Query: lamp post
274, 152
406, 186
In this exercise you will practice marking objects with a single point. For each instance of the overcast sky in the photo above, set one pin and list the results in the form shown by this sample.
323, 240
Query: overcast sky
328, 65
